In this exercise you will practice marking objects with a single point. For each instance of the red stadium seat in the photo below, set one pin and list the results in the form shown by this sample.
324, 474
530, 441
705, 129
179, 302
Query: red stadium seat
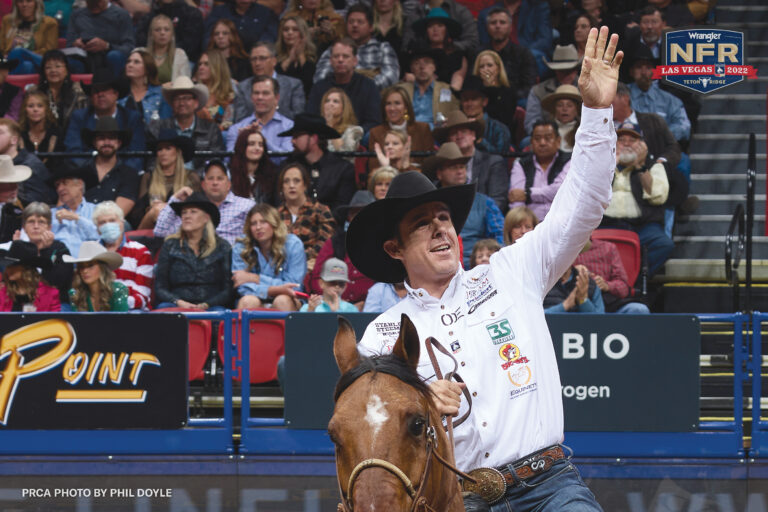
361, 169
199, 341
267, 344
85, 78
629, 247
23, 80
62, 42
148, 233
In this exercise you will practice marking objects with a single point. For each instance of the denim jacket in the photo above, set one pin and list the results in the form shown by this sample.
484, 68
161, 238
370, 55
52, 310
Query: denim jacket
292, 270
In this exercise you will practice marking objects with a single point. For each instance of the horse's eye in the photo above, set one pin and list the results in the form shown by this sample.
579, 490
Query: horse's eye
416, 426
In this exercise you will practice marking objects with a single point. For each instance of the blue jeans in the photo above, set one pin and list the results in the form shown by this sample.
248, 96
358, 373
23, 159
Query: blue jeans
659, 245
164, 305
634, 308
559, 489
29, 61
115, 60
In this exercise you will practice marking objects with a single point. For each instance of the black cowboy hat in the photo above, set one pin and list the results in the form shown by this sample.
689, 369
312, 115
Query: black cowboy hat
642, 53
23, 253
198, 200
440, 15
103, 78
472, 83
105, 124
69, 169
312, 124
9, 64
377, 222
360, 199
421, 50
182, 142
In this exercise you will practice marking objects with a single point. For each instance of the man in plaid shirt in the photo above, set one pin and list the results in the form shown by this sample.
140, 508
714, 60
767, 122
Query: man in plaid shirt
375, 59
605, 267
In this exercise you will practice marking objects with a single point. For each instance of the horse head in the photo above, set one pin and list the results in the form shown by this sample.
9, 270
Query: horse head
386, 431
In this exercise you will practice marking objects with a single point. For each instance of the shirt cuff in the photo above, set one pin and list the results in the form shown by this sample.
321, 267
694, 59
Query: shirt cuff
597, 119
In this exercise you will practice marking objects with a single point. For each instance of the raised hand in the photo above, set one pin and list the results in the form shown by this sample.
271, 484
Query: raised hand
600, 69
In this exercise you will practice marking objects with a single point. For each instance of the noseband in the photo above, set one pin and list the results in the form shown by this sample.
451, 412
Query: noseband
418, 500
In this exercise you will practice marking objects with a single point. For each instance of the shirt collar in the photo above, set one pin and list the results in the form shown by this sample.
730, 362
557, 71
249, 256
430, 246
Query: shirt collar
424, 300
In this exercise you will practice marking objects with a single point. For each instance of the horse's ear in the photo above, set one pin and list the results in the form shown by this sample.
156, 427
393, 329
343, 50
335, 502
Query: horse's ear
407, 345
345, 346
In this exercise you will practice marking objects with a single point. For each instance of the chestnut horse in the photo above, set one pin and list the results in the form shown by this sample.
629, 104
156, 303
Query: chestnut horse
392, 453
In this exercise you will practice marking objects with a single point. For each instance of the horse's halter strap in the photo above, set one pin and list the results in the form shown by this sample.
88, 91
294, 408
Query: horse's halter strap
450, 375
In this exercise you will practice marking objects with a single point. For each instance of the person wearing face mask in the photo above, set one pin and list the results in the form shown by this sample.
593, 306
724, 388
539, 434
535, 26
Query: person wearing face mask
137, 270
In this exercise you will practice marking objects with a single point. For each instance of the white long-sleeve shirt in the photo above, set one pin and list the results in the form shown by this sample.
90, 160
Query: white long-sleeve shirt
491, 317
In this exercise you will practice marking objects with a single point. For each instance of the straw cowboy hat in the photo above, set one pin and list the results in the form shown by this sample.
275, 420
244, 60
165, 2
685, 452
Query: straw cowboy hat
454, 120
448, 154
198, 200
23, 253
566, 91
94, 251
183, 84
10, 173
105, 124
378, 222
564, 57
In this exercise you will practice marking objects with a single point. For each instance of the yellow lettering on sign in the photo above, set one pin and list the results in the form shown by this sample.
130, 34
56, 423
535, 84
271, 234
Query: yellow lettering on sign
675, 51
74, 368
727, 50
95, 361
113, 368
138, 359
704, 50
15, 342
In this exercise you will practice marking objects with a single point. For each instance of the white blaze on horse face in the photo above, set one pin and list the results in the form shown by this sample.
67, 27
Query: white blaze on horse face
376, 415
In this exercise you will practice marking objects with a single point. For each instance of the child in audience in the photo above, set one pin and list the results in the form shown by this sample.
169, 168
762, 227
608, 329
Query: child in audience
333, 281
481, 252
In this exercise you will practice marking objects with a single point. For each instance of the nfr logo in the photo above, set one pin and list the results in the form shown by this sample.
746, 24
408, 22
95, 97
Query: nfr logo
704, 60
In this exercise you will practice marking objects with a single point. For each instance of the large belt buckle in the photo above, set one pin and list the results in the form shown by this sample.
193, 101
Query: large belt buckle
491, 484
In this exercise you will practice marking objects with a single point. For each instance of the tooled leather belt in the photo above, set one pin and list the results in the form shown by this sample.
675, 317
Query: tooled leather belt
492, 483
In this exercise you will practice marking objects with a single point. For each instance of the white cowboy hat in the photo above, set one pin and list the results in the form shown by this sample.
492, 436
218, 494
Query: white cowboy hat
564, 57
10, 173
184, 84
94, 251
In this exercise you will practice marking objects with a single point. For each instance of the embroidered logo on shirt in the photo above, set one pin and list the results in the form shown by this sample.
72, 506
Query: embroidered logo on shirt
515, 364
455, 346
500, 332
450, 318
484, 295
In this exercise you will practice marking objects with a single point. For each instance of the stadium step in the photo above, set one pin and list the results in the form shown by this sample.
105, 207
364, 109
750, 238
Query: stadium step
739, 13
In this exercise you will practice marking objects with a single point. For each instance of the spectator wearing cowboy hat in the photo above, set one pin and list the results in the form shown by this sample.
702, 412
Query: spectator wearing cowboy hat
564, 106
72, 221
94, 287
193, 268
536, 177
485, 220
10, 95
104, 91
186, 98
332, 178
474, 100
217, 188
335, 247
466, 41
437, 31
36, 187
565, 63
168, 177
265, 96
115, 181
23, 289
488, 171
11, 210
432, 99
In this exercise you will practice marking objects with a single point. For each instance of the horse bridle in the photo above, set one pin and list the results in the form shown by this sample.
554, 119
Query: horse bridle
418, 500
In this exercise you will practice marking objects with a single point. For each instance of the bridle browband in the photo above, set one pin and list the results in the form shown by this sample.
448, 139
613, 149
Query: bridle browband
418, 500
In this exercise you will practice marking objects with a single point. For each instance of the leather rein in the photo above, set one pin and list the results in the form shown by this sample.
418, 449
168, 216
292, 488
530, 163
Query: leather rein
418, 500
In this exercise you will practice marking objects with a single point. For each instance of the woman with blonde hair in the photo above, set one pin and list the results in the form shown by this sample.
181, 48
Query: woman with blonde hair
502, 99
94, 287
518, 222
39, 131
296, 52
379, 181
194, 266
326, 26
27, 33
168, 177
145, 95
339, 115
397, 113
396, 152
161, 43
388, 24
268, 263
23, 288
213, 72
225, 39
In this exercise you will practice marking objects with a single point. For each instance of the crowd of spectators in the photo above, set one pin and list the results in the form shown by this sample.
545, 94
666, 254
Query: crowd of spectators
236, 113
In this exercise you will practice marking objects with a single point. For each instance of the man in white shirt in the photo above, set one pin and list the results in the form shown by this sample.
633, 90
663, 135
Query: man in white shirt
492, 316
